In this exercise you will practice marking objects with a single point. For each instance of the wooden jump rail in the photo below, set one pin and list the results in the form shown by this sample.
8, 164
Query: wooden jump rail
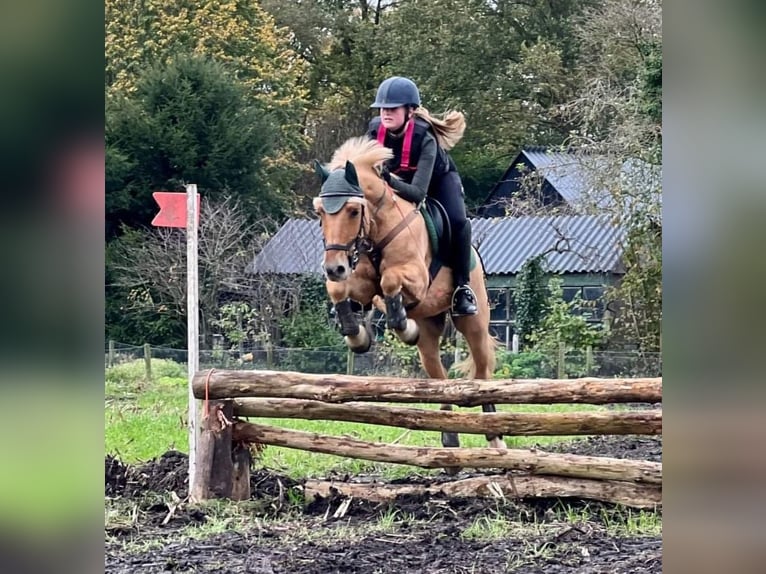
223, 472
225, 384
647, 422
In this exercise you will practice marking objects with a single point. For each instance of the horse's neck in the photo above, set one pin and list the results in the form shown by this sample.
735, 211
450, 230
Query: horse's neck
390, 214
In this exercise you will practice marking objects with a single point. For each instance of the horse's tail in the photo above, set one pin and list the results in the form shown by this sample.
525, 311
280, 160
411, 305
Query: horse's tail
466, 368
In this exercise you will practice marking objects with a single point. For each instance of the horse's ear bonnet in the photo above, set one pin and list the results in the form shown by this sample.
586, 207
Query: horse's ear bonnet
338, 187
321, 170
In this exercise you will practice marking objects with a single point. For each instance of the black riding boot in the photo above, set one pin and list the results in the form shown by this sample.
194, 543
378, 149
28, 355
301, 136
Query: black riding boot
463, 298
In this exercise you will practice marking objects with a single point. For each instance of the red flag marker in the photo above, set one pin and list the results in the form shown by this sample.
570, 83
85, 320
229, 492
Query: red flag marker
172, 209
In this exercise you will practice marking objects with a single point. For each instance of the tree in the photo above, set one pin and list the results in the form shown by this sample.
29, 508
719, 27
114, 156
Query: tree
530, 297
149, 267
239, 36
619, 134
186, 121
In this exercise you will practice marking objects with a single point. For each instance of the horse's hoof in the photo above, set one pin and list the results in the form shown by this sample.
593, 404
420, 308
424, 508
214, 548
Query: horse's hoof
497, 442
450, 440
452, 470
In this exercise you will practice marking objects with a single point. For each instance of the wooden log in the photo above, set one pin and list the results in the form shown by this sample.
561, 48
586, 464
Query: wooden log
533, 461
461, 392
511, 486
240, 489
647, 422
215, 469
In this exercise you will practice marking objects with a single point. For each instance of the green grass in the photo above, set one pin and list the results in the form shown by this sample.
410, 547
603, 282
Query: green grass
630, 522
618, 521
145, 419
488, 528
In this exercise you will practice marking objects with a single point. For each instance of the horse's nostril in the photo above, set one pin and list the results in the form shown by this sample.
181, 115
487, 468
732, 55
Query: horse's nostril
334, 271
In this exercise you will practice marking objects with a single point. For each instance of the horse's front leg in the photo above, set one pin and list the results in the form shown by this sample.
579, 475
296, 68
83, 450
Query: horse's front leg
358, 288
355, 334
396, 283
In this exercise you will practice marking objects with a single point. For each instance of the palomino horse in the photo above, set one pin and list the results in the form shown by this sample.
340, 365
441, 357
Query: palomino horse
376, 243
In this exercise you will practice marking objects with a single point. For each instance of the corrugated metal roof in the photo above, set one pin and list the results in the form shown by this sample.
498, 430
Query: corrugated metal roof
575, 244
296, 248
583, 180
562, 170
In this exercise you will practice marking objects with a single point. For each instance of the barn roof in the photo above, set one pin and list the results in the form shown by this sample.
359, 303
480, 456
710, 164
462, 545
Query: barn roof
574, 244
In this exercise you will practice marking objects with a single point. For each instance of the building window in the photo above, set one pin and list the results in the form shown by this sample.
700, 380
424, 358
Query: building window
499, 314
498, 304
502, 331
593, 302
569, 294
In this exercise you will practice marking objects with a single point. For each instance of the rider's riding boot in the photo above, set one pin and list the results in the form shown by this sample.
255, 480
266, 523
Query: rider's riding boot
463, 298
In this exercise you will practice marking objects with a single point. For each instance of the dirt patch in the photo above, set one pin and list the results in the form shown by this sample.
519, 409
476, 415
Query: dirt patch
167, 473
438, 548
170, 473
273, 535
635, 447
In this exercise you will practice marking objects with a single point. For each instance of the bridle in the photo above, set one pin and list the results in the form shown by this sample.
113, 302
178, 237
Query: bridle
362, 243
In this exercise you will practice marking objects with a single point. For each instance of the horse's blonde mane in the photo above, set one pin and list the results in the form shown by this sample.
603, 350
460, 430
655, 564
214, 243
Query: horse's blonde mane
360, 151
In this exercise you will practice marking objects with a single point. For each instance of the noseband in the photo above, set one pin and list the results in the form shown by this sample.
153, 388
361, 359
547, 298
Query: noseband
361, 244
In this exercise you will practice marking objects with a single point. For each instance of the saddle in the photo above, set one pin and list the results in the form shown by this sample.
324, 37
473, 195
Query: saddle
439, 234
438, 226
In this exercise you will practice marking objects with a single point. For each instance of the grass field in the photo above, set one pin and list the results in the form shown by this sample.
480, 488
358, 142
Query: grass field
144, 419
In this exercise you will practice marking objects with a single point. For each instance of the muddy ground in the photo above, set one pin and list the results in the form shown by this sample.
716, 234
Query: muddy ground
150, 529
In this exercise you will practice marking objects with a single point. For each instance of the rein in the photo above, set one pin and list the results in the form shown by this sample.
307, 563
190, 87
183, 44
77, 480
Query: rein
377, 248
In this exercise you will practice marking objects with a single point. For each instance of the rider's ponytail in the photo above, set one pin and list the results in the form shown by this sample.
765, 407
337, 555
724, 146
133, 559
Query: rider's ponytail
448, 129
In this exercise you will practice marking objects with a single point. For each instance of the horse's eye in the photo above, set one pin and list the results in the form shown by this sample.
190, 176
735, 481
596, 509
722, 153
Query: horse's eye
354, 213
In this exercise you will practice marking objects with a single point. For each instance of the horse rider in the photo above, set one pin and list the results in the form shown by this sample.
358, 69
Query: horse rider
423, 168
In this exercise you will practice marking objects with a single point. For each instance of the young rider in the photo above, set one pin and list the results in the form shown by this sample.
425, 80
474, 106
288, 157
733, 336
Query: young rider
423, 167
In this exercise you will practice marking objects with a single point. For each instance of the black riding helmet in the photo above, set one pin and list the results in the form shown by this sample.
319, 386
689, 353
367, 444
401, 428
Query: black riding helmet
397, 91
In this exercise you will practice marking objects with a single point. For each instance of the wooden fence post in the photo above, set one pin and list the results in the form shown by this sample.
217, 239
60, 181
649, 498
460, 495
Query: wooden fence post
148, 361
269, 356
350, 362
110, 360
588, 360
560, 366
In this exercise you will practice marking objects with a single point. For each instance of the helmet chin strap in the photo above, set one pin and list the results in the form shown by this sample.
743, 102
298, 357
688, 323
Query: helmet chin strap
407, 117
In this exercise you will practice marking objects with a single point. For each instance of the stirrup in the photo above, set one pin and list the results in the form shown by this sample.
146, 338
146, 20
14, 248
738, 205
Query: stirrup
469, 294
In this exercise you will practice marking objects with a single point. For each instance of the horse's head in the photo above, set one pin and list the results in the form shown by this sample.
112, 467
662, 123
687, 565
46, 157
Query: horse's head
350, 180
340, 207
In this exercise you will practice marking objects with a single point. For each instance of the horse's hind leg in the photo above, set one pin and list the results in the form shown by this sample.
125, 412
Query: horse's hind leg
428, 348
482, 348
495, 441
